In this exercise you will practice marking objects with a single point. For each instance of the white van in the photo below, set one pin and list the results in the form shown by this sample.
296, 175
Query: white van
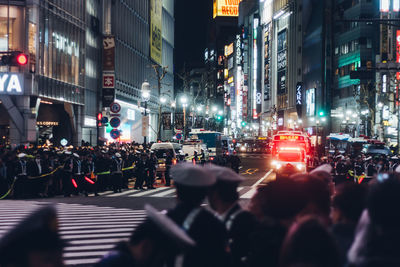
161, 150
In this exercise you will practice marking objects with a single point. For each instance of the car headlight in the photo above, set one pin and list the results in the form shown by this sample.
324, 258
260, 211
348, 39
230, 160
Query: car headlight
299, 166
278, 166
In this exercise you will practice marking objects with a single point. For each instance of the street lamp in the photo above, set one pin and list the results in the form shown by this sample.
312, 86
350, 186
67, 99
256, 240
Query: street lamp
145, 97
163, 100
184, 101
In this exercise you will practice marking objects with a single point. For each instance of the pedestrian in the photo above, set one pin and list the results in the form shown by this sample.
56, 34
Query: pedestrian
141, 172
152, 243
21, 179
152, 168
88, 168
347, 206
235, 162
33, 242
239, 223
77, 175
116, 172
376, 242
192, 183
168, 164
309, 243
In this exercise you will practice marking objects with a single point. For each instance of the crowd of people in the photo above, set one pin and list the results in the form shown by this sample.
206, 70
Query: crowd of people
31, 172
308, 219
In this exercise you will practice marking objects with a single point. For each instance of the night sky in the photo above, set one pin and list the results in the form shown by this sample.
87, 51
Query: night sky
191, 20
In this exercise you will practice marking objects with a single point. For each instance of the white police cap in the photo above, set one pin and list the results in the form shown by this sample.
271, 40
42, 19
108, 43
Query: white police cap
118, 155
323, 168
169, 227
192, 175
224, 174
21, 155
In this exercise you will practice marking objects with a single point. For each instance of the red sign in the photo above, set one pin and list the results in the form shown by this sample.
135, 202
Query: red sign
108, 80
398, 46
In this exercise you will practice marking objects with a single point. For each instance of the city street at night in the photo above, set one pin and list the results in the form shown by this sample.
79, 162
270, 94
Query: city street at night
200, 133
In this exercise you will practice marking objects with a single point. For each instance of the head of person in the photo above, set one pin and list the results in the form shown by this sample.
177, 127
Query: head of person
157, 238
192, 182
224, 192
383, 201
33, 242
309, 243
280, 200
323, 173
348, 203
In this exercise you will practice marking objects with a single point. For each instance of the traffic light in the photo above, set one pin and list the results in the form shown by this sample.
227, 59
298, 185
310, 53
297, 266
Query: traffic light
99, 119
14, 59
244, 124
321, 113
219, 117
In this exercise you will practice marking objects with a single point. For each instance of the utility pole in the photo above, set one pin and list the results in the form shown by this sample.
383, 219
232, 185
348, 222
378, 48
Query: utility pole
160, 75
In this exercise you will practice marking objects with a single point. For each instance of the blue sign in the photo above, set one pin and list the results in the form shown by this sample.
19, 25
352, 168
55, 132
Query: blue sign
104, 120
115, 122
178, 136
115, 134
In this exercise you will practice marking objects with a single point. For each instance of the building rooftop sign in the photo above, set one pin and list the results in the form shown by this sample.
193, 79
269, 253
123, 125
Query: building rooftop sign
11, 83
226, 8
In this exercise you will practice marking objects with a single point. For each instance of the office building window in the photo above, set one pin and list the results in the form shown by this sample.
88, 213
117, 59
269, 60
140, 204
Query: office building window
11, 38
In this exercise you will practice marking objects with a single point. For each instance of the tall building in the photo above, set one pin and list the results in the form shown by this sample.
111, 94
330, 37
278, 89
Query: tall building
143, 33
355, 47
50, 98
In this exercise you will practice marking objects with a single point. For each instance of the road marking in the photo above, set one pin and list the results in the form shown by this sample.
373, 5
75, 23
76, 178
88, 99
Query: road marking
262, 179
249, 194
167, 192
250, 171
149, 192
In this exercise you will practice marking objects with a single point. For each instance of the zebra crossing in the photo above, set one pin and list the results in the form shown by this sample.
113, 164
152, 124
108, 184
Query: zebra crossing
90, 231
245, 192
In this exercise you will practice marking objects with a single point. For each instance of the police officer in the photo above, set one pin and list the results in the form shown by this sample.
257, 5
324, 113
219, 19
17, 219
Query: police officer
21, 172
168, 164
88, 167
151, 168
67, 174
140, 172
77, 174
192, 183
116, 172
33, 242
224, 200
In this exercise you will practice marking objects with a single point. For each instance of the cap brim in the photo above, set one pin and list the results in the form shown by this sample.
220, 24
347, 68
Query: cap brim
169, 227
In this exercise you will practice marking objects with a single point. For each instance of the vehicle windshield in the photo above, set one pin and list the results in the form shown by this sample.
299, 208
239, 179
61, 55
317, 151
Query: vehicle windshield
290, 156
162, 153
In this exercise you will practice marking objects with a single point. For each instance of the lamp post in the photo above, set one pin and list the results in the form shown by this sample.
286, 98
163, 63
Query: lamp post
145, 97
184, 105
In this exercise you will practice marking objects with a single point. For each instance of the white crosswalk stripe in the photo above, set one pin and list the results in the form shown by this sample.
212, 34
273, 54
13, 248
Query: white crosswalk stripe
245, 192
90, 231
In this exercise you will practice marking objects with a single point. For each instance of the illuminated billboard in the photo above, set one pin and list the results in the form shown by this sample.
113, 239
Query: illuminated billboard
226, 8
156, 31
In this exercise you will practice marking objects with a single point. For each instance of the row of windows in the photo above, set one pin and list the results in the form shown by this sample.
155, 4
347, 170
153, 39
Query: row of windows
353, 46
345, 70
139, 7
168, 25
59, 90
136, 34
74, 8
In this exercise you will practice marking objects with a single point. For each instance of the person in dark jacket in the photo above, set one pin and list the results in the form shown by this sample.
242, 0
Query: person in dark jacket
141, 172
347, 205
239, 223
168, 164
151, 168
192, 183
67, 174
117, 165
151, 244
21, 172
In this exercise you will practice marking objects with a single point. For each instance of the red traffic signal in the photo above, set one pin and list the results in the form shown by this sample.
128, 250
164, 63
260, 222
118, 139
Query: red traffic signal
99, 119
22, 59
14, 59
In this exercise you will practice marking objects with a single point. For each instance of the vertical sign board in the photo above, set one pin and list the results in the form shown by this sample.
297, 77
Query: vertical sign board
108, 93
282, 62
156, 31
145, 125
267, 58
299, 99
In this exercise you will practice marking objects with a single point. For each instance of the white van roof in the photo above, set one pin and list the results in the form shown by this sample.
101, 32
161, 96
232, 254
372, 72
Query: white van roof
156, 146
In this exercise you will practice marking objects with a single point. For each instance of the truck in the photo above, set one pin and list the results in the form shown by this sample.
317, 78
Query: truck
212, 139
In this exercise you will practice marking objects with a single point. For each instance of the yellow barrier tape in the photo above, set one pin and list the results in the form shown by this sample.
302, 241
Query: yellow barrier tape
44, 175
9, 190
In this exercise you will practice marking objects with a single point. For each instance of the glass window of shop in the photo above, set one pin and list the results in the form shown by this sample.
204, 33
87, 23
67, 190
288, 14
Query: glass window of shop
11, 28
61, 44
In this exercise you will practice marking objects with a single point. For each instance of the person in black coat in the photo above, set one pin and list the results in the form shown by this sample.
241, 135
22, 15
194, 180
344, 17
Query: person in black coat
151, 244
141, 172
151, 167
35, 170
88, 168
168, 164
117, 165
192, 183
21, 175
67, 174
239, 223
